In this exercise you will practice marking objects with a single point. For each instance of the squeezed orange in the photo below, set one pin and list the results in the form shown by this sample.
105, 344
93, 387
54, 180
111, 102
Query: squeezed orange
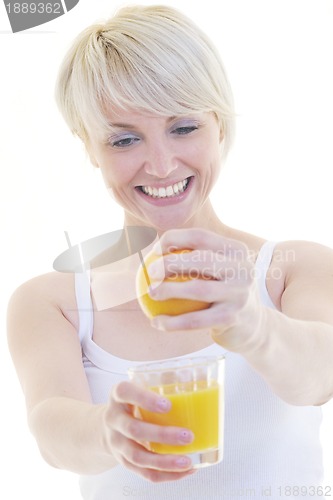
173, 306
199, 409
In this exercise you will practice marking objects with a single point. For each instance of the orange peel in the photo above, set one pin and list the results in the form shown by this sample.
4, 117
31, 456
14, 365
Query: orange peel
172, 306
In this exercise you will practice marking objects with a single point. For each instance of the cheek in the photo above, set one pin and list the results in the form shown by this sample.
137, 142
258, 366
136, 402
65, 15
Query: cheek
113, 173
215, 164
209, 157
118, 168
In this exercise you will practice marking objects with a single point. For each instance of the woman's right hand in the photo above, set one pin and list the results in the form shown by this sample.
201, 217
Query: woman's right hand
126, 435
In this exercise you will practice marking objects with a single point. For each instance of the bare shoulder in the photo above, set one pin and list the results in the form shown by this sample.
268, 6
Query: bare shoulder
43, 339
52, 290
308, 279
306, 258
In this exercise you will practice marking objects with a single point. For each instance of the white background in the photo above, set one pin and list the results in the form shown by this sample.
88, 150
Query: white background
276, 183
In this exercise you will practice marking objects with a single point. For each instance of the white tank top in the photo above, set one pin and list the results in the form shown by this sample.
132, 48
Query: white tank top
271, 449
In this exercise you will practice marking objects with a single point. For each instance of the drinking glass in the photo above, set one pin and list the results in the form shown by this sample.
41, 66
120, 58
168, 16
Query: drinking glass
195, 387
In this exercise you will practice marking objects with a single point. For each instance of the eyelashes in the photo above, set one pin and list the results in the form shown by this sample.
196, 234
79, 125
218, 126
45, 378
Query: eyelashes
122, 141
126, 139
185, 130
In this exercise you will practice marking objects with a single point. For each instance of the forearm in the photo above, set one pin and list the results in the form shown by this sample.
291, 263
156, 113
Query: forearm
295, 358
70, 435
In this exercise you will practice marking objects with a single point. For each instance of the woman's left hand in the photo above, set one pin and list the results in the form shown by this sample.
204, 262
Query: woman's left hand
227, 282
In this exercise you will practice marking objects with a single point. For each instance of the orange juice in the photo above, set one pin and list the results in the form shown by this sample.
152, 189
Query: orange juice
199, 409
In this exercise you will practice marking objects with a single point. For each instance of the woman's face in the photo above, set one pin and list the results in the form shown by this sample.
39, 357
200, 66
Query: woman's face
159, 169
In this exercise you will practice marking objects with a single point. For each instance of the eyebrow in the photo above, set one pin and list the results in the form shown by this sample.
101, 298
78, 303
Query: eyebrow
121, 125
131, 126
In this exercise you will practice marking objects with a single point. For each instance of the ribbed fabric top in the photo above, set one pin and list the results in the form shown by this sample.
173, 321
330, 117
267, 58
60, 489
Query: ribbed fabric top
269, 446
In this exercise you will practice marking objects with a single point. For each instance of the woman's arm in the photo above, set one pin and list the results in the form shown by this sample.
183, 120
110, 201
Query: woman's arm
47, 355
293, 348
71, 432
296, 356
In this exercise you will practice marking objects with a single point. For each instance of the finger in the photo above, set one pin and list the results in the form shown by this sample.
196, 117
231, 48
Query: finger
139, 456
133, 394
216, 315
141, 431
203, 265
158, 476
138, 430
202, 290
194, 238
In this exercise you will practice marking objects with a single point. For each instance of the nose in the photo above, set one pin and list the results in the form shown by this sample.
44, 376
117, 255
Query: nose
160, 160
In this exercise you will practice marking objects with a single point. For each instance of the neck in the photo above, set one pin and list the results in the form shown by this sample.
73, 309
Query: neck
206, 218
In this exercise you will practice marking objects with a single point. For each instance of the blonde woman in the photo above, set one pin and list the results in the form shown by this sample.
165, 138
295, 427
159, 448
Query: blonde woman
147, 94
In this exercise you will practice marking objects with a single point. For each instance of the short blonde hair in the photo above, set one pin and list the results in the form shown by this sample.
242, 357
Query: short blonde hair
146, 58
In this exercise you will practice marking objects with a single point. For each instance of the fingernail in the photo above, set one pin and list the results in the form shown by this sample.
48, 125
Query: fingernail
156, 270
157, 249
163, 404
153, 270
183, 462
186, 436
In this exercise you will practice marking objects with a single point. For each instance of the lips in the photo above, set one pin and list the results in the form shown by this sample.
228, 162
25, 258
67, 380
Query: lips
169, 191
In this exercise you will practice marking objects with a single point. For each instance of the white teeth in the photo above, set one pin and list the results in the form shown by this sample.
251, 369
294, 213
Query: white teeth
180, 186
166, 192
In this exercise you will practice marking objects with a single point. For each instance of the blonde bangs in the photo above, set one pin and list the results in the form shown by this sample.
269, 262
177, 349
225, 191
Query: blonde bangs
151, 59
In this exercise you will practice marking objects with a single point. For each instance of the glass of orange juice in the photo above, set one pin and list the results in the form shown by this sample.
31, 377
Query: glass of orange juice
195, 387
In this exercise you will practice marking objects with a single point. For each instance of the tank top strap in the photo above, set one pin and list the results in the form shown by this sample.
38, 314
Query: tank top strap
84, 304
261, 267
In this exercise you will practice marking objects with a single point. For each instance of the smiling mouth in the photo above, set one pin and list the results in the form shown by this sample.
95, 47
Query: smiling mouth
166, 192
